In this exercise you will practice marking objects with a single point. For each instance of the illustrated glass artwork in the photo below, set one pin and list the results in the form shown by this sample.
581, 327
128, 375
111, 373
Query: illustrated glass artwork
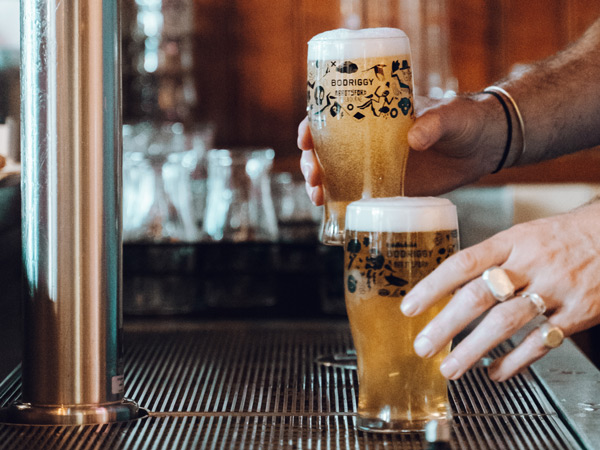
392, 244
360, 107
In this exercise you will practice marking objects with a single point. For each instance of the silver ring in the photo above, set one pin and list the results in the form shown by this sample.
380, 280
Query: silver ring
551, 334
498, 283
536, 301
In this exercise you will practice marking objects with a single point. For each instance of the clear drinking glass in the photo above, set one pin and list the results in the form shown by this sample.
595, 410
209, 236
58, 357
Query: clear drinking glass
360, 107
158, 163
428, 25
239, 205
391, 244
297, 218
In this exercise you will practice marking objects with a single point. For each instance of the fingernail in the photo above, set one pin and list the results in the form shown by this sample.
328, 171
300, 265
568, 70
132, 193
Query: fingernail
420, 135
423, 346
493, 373
305, 168
311, 193
425, 331
494, 377
449, 368
408, 307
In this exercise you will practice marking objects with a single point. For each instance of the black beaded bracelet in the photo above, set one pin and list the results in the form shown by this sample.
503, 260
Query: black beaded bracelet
509, 129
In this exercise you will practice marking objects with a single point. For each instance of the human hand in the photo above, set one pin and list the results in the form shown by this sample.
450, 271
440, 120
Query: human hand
455, 141
309, 165
2, 161
558, 258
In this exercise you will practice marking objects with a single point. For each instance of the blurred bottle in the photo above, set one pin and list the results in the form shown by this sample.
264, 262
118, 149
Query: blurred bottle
158, 76
426, 24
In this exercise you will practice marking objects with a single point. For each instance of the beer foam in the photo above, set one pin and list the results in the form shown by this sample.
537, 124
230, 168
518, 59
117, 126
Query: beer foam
401, 214
368, 42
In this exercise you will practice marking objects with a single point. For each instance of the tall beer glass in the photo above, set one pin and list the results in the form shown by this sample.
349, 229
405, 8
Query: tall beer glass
360, 107
391, 244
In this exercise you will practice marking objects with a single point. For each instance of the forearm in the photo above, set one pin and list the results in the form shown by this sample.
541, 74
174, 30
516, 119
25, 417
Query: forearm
559, 99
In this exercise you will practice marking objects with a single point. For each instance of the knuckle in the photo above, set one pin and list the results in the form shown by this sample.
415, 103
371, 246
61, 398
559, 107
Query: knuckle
517, 232
466, 261
501, 317
531, 350
473, 298
425, 286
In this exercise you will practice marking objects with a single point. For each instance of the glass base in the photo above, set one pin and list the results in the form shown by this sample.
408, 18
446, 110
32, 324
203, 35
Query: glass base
27, 414
332, 226
331, 234
376, 425
329, 240
346, 360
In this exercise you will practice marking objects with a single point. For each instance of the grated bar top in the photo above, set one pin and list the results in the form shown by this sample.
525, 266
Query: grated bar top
226, 385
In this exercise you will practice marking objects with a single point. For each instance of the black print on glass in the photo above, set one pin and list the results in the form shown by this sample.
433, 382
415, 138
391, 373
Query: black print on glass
361, 97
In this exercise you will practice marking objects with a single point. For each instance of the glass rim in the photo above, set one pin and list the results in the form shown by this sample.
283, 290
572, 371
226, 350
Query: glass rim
388, 214
353, 35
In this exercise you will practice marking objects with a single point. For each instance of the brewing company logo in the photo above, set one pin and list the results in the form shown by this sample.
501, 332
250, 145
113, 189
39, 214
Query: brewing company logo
341, 89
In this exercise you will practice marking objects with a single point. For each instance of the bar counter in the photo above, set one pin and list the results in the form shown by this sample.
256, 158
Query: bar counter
222, 381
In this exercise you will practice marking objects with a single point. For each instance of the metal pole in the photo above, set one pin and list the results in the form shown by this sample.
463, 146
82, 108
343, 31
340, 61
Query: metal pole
71, 211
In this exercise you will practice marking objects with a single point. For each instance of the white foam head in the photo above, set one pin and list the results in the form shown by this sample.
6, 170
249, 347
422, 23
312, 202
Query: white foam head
401, 214
346, 44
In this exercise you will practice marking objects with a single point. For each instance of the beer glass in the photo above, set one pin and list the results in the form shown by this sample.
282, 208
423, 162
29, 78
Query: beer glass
391, 244
360, 107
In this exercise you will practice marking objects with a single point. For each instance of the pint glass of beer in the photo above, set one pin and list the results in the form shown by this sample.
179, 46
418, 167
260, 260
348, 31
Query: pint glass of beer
391, 244
360, 107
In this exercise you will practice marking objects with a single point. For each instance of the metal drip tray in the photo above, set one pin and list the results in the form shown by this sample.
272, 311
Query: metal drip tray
230, 385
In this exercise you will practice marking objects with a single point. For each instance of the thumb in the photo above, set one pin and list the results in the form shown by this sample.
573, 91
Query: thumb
304, 137
426, 131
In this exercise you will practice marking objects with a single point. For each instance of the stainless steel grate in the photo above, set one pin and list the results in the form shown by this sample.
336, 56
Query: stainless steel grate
254, 385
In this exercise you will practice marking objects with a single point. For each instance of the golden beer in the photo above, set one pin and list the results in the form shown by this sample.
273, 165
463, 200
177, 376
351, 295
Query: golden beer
360, 107
391, 244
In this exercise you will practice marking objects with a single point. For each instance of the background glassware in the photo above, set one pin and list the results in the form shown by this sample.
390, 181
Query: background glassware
297, 218
426, 24
158, 69
390, 245
158, 166
240, 227
239, 205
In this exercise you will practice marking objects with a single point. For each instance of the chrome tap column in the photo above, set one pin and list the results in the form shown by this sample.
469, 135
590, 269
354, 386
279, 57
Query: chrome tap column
71, 210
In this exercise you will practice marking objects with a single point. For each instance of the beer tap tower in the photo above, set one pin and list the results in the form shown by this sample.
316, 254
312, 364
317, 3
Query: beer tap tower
71, 210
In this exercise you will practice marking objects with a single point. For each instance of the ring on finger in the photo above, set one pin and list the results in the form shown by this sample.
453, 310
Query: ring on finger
536, 301
497, 281
552, 335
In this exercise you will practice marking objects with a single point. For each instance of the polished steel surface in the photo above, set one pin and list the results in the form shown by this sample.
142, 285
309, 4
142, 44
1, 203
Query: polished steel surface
572, 382
256, 385
71, 183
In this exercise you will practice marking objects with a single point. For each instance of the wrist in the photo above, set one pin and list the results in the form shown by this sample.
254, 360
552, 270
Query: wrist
514, 146
494, 135
516, 125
